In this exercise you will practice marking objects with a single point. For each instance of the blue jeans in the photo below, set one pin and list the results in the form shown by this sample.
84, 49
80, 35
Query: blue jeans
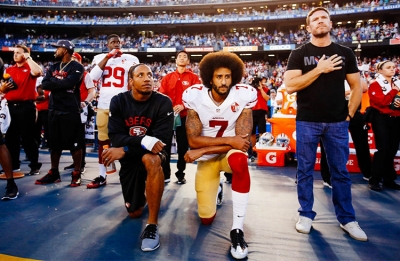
335, 139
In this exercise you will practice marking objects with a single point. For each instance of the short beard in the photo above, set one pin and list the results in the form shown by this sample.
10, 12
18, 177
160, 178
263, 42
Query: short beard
58, 58
320, 35
215, 88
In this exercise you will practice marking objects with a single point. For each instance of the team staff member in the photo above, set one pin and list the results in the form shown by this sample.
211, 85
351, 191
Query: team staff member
259, 112
385, 121
140, 129
110, 70
21, 99
42, 121
63, 80
173, 85
317, 71
219, 124
87, 93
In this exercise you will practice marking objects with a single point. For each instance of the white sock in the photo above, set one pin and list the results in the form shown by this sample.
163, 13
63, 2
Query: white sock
240, 201
102, 170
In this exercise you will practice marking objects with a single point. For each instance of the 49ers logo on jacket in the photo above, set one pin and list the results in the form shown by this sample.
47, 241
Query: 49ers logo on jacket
185, 83
137, 131
235, 107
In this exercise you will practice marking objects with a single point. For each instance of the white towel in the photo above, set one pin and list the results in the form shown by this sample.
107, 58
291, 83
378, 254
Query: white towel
385, 85
84, 114
5, 118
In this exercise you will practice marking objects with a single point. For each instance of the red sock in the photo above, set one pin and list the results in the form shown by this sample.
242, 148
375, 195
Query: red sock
240, 172
208, 221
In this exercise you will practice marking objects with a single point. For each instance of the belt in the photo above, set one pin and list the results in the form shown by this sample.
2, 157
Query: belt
17, 103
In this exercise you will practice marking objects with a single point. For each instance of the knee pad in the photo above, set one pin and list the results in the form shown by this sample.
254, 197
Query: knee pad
240, 172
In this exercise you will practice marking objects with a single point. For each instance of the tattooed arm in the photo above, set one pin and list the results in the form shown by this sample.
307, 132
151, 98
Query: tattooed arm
244, 124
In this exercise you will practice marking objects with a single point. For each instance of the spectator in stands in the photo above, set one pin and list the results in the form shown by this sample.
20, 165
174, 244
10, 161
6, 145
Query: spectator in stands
63, 79
21, 102
173, 85
111, 72
140, 147
385, 121
318, 69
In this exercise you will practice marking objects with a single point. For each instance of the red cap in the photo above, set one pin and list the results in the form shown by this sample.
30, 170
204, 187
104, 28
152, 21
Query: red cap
77, 56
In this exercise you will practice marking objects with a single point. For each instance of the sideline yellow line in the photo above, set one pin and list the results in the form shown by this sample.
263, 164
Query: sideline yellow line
13, 258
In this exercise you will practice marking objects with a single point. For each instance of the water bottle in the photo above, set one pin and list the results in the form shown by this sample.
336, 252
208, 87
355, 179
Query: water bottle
110, 169
392, 104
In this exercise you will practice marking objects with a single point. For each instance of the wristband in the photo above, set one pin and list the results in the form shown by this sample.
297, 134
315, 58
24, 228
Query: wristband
148, 142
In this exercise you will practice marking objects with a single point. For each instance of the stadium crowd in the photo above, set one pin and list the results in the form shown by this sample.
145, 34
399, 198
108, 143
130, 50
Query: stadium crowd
217, 41
119, 3
272, 12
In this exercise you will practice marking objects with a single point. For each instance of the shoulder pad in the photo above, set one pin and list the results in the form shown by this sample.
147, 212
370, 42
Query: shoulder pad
98, 58
245, 91
130, 58
193, 92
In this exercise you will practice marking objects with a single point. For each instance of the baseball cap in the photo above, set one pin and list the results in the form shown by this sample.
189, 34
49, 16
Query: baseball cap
65, 44
77, 56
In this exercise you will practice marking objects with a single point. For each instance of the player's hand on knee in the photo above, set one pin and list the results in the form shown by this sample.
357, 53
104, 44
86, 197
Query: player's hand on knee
192, 155
152, 144
240, 142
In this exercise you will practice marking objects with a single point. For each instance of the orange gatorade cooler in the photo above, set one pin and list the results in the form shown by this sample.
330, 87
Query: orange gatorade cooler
289, 105
284, 123
272, 156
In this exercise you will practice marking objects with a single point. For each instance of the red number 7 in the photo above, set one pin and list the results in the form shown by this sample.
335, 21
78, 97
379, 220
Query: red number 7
222, 124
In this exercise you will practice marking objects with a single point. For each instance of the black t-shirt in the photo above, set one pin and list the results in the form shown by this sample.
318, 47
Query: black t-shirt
64, 81
324, 99
130, 120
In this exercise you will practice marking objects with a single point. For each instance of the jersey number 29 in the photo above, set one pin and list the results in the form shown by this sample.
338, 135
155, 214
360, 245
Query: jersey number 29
114, 77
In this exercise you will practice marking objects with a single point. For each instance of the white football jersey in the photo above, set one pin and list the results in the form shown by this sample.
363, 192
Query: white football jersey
219, 121
114, 79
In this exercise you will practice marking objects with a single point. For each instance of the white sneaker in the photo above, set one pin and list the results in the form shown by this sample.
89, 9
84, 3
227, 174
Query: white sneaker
303, 225
326, 184
355, 231
239, 247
